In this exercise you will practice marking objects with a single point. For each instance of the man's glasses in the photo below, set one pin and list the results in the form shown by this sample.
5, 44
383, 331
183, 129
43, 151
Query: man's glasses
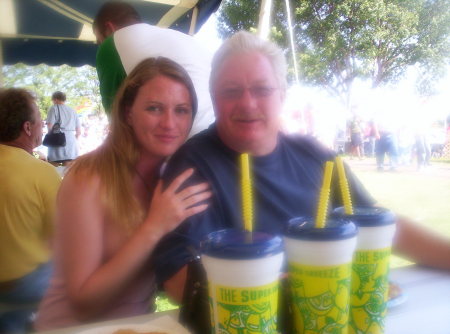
257, 92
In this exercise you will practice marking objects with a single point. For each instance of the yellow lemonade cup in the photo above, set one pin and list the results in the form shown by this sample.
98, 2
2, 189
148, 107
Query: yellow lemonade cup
370, 270
319, 271
243, 270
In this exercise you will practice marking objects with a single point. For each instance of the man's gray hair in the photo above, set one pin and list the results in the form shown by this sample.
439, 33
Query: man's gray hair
244, 42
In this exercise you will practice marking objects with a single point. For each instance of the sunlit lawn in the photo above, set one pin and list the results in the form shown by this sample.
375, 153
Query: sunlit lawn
423, 195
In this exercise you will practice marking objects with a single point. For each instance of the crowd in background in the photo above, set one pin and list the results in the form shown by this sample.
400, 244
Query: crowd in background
413, 142
392, 145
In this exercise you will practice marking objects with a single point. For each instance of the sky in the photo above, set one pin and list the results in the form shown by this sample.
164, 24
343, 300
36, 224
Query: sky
208, 35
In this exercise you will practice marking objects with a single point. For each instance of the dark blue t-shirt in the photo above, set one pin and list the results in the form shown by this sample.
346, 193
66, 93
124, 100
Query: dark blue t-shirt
286, 184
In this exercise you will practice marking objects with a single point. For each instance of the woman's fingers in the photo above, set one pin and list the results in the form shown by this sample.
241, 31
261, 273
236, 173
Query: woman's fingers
170, 206
158, 187
195, 209
192, 190
197, 198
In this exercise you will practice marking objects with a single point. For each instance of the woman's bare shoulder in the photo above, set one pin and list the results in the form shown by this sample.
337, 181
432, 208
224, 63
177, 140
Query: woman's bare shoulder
80, 185
80, 203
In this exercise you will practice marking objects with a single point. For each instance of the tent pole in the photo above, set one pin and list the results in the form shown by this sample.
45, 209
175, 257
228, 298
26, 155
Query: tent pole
1, 64
264, 19
193, 21
291, 37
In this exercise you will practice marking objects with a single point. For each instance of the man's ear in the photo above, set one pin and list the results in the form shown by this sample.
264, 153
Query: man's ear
27, 127
213, 101
110, 27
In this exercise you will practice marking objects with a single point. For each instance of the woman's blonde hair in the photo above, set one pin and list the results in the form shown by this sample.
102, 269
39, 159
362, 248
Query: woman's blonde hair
114, 162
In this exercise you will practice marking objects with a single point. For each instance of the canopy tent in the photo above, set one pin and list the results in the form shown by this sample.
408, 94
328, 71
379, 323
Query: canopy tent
56, 32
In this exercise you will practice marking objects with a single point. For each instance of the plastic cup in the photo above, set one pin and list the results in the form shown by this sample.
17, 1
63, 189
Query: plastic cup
319, 272
370, 281
243, 271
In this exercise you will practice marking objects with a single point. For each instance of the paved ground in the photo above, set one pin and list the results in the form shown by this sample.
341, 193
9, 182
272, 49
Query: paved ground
368, 165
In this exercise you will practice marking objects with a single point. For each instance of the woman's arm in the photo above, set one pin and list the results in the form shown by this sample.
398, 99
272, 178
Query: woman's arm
92, 283
77, 132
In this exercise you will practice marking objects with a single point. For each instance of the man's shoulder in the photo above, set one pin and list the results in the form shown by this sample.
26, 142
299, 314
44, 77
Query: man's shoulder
23, 163
205, 140
149, 31
105, 48
306, 145
44, 169
202, 152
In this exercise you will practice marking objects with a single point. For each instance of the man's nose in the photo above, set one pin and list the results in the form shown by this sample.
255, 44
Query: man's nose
247, 98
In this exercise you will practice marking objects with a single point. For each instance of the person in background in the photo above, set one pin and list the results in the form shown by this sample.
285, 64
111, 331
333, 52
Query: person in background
125, 41
248, 88
70, 125
371, 134
112, 209
386, 143
27, 204
355, 131
422, 148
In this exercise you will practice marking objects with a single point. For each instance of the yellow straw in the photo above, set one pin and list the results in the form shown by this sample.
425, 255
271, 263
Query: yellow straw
324, 195
246, 184
345, 190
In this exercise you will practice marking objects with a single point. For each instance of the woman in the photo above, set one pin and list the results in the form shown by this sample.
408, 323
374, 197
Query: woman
70, 125
112, 208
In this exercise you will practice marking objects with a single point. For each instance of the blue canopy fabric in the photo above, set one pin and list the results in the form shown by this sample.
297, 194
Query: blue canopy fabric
56, 32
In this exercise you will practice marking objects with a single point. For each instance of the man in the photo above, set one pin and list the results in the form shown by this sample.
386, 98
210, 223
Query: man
248, 87
27, 204
126, 41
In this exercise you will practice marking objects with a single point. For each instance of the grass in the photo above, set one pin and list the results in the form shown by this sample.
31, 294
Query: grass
423, 196
163, 303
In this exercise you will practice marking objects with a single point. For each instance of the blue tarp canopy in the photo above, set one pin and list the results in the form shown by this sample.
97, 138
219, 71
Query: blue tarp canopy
56, 32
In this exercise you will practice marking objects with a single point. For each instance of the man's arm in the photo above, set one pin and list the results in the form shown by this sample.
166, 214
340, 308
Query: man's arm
174, 286
421, 245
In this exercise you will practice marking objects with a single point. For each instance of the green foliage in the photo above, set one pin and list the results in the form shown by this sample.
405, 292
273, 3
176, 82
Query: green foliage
163, 303
78, 83
236, 15
339, 41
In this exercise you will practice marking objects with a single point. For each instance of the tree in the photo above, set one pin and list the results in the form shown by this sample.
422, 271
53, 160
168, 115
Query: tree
340, 41
235, 15
78, 83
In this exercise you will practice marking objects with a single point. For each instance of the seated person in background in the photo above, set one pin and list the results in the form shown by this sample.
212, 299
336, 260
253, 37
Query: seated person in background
248, 87
126, 41
112, 210
27, 203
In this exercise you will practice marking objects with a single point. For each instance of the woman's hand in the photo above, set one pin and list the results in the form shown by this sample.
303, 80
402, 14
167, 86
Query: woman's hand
93, 282
170, 207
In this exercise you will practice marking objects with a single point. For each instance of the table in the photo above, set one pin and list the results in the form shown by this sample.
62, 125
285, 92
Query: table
427, 305
141, 319
425, 310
